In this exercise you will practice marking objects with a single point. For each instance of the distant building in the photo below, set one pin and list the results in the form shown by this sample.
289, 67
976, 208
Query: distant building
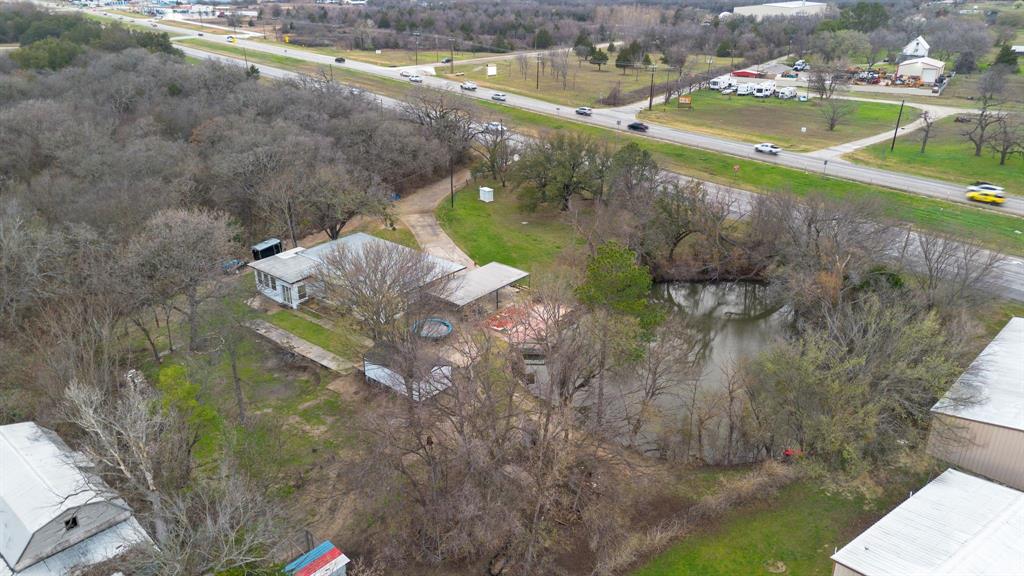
56, 518
927, 69
918, 48
1018, 49
957, 525
979, 424
796, 8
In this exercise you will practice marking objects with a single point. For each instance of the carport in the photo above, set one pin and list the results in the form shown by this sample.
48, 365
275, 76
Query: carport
470, 286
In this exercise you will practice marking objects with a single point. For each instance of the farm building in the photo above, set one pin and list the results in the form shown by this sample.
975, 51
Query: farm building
287, 277
917, 48
55, 517
796, 8
956, 525
928, 69
979, 424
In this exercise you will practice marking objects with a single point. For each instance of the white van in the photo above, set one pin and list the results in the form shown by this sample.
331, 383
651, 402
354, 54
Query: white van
744, 89
764, 90
786, 93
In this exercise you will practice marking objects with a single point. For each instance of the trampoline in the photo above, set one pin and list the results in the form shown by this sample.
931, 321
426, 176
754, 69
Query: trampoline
432, 328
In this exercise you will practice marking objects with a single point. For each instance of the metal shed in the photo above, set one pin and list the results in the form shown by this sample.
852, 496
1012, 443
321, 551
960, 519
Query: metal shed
56, 518
956, 525
979, 424
380, 365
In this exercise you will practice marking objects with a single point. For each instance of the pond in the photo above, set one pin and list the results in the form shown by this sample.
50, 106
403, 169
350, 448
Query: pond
736, 319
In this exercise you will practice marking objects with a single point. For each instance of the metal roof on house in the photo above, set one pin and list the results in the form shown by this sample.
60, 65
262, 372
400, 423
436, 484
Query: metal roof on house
472, 285
992, 389
324, 559
299, 263
924, 61
97, 548
956, 525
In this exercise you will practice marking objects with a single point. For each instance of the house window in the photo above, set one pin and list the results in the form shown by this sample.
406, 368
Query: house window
71, 523
273, 282
259, 278
302, 291
286, 293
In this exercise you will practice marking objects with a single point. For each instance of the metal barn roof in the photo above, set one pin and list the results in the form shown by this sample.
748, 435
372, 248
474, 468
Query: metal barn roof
97, 548
40, 479
991, 391
474, 284
956, 525
299, 263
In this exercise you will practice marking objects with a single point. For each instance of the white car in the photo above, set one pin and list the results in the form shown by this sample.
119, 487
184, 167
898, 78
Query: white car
767, 148
415, 79
405, 74
495, 127
468, 86
585, 111
498, 97
981, 186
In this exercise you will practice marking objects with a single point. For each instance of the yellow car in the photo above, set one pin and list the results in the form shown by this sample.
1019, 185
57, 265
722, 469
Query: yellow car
986, 197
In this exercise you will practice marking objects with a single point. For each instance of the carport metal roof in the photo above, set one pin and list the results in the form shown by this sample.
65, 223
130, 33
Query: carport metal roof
474, 284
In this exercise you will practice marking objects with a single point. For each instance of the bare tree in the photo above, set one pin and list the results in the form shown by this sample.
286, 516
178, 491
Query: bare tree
826, 81
523, 62
498, 150
991, 86
28, 263
335, 194
1007, 137
449, 119
927, 124
949, 270
836, 110
378, 283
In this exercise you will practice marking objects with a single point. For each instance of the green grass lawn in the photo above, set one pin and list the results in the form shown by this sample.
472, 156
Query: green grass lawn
948, 156
343, 341
800, 527
401, 236
584, 87
983, 225
773, 120
500, 232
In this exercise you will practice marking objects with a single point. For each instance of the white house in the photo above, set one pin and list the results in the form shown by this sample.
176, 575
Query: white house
795, 8
979, 424
918, 48
287, 278
957, 525
928, 69
1018, 49
55, 517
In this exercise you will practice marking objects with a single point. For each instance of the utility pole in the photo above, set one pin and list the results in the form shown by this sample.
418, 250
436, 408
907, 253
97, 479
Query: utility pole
416, 35
538, 72
897, 129
650, 101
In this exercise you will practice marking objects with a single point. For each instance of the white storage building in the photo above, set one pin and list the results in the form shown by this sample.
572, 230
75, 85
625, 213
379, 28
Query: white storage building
55, 517
928, 69
957, 525
979, 424
771, 9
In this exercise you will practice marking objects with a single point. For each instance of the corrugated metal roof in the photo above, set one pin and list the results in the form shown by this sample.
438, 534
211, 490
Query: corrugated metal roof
40, 480
956, 525
314, 560
474, 284
992, 388
108, 544
299, 263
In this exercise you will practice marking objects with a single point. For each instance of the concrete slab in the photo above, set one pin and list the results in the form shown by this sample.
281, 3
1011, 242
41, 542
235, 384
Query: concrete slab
302, 347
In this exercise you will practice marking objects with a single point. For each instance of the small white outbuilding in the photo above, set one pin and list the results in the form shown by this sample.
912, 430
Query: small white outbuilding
957, 525
486, 194
979, 424
56, 517
928, 69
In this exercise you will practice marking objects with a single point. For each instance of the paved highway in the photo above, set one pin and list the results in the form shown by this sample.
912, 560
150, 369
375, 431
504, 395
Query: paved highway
619, 118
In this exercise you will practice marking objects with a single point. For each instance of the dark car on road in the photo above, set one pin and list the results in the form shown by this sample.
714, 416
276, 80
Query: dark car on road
638, 126
339, 60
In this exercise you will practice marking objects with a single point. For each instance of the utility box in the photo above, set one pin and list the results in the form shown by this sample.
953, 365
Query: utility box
266, 249
486, 194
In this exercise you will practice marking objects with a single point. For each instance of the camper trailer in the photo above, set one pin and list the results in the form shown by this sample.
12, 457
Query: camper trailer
786, 93
744, 89
722, 83
764, 90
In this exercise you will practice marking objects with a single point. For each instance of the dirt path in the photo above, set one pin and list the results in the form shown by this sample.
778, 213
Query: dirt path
417, 212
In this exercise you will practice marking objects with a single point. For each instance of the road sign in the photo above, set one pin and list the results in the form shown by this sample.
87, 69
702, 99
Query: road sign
685, 101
